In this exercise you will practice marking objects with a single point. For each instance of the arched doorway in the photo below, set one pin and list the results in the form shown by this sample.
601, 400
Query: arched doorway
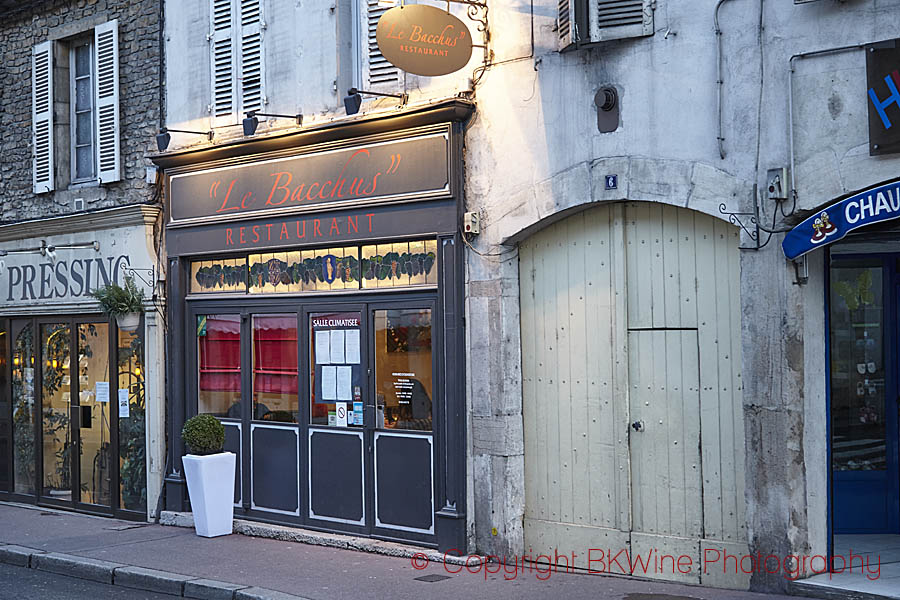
634, 438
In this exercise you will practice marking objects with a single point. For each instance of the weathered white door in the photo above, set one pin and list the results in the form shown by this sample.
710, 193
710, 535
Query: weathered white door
631, 389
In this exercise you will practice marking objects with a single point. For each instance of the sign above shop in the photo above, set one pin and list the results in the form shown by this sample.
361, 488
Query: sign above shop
350, 176
424, 40
832, 224
883, 86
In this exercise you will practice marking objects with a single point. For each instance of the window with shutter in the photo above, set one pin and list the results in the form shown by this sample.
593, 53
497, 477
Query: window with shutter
106, 101
566, 24
42, 117
618, 19
222, 63
237, 59
251, 78
378, 72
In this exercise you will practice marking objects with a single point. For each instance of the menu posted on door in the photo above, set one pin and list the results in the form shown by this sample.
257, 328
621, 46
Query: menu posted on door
337, 361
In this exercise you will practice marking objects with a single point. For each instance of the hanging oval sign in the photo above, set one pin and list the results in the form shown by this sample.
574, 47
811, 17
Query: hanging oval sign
423, 40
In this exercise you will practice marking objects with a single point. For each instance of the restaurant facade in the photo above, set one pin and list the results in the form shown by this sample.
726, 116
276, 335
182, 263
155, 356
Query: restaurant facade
316, 282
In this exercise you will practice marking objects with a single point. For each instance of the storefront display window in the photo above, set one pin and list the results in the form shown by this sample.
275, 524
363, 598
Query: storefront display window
335, 369
219, 366
275, 367
403, 375
399, 264
223, 275
857, 368
132, 422
55, 417
23, 411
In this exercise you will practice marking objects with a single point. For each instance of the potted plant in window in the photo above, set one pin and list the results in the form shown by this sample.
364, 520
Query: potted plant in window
209, 471
125, 303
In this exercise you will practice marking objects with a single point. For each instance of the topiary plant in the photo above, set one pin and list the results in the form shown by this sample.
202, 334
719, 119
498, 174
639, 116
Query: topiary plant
203, 434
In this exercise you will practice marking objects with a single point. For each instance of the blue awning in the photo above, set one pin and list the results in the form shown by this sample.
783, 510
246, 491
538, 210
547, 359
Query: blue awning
827, 226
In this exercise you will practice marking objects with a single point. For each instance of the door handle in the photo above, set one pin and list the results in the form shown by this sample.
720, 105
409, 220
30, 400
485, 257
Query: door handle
638, 426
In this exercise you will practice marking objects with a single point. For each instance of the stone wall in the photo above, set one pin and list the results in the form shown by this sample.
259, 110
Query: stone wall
139, 102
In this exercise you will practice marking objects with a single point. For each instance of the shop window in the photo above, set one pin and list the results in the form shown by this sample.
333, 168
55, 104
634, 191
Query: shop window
335, 369
223, 275
275, 367
403, 375
5, 425
400, 264
55, 417
23, 411
132, 421
321, 270
219, 367
857, 368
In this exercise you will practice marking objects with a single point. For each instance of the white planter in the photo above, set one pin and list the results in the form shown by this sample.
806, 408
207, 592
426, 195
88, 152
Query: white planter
128, 321
210, 481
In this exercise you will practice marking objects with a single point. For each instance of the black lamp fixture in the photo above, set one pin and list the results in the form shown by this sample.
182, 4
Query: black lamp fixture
251, 122
353, 99
163, 138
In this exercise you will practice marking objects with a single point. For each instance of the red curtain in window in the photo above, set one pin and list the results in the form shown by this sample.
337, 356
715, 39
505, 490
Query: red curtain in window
220, 354
275, 354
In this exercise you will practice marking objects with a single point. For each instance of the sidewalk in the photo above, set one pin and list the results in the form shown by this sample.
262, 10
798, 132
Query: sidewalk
107, 550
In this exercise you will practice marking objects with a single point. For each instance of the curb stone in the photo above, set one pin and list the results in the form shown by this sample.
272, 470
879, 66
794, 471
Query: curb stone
151, 580
18, 556
209, 589
76, 566
255, 593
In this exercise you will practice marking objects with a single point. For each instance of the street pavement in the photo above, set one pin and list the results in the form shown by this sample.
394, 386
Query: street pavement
310, 571
18, 583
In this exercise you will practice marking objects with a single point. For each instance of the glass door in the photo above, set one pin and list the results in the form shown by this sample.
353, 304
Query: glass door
76, 437
337, 437
863, 398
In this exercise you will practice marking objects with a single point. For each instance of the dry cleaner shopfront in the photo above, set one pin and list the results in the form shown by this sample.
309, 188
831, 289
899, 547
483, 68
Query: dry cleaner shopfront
317, 281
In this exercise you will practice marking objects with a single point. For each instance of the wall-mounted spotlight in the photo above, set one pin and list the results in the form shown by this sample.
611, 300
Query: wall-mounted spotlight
353, 99
163, 138
251, 122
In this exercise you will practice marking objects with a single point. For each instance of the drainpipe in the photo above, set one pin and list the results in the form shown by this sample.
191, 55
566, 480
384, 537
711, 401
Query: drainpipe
719, 79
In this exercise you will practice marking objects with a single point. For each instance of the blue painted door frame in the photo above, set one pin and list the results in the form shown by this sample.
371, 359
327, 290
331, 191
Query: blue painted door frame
868, 501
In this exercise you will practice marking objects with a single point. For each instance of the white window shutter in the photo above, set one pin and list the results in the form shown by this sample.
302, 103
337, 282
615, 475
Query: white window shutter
106, 101
42, 117
378, 72
251, 82
566, 24
223, 106
618, 19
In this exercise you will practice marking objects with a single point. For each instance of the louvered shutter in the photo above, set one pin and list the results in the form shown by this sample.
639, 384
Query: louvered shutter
379, 73
223, 107
42, 117
106, 101
617, 19
566, 24
251, 82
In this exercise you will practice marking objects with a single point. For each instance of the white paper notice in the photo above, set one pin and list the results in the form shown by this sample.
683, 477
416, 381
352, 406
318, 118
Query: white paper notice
337, 346
323, 353
123, 403
344, 375
352, 347
340, 410
329, 383
101, 389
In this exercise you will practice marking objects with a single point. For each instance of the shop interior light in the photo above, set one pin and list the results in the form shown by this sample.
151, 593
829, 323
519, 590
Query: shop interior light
163, 138
251, 122
353, 99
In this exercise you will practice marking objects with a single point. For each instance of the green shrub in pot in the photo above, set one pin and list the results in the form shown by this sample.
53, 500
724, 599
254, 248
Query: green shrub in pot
116, 300
203, 435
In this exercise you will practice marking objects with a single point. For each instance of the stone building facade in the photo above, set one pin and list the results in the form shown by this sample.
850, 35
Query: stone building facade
80, 210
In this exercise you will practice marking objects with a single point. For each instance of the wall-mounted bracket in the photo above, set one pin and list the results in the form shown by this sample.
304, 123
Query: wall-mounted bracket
478, 12
735, 218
